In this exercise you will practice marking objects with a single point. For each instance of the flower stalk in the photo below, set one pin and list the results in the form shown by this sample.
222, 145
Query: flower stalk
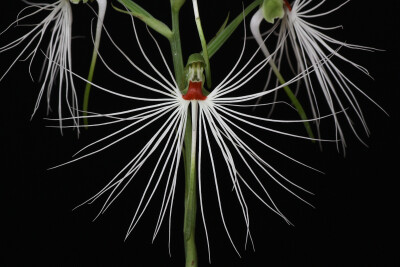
295, 102
101, 13
176, 48
189, 226
190, 140
255, 29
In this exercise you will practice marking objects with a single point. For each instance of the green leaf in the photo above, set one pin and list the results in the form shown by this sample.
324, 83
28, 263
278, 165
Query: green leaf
195, 58
215, 44
140, 13
221, 28
272, 9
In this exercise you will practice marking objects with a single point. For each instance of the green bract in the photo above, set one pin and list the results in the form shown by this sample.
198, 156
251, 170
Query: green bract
272, 9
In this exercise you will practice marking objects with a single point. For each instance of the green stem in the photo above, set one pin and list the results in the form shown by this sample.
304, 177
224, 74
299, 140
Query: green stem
176, 49
293, 99
189, 224
255, 29
100, 17
88, 87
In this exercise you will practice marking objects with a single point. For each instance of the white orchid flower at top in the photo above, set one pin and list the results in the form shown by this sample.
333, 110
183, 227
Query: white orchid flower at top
218, 124
312, 47
57, 26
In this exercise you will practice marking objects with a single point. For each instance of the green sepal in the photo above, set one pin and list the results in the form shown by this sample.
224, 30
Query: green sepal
195, 58
216, 43
140, 13
272, 9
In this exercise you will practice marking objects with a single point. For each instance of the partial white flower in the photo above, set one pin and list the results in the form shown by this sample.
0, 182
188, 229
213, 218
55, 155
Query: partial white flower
312, 47
57, 27
217, 118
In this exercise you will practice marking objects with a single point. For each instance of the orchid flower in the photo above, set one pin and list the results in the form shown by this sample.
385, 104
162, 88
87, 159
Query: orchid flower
169, 117
217, 124
311, 46
57, 24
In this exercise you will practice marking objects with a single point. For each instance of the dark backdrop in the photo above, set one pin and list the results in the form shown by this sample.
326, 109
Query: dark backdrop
354, 222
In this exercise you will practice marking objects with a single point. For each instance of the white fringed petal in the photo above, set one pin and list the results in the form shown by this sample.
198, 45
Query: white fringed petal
57, 26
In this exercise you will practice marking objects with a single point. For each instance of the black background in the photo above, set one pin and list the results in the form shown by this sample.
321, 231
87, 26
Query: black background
355, 221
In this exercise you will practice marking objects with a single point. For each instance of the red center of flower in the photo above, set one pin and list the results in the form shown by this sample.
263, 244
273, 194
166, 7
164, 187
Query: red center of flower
288, 5
194, 92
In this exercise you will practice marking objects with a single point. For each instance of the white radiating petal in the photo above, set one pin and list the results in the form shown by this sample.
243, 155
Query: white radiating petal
223, 128
54, 76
